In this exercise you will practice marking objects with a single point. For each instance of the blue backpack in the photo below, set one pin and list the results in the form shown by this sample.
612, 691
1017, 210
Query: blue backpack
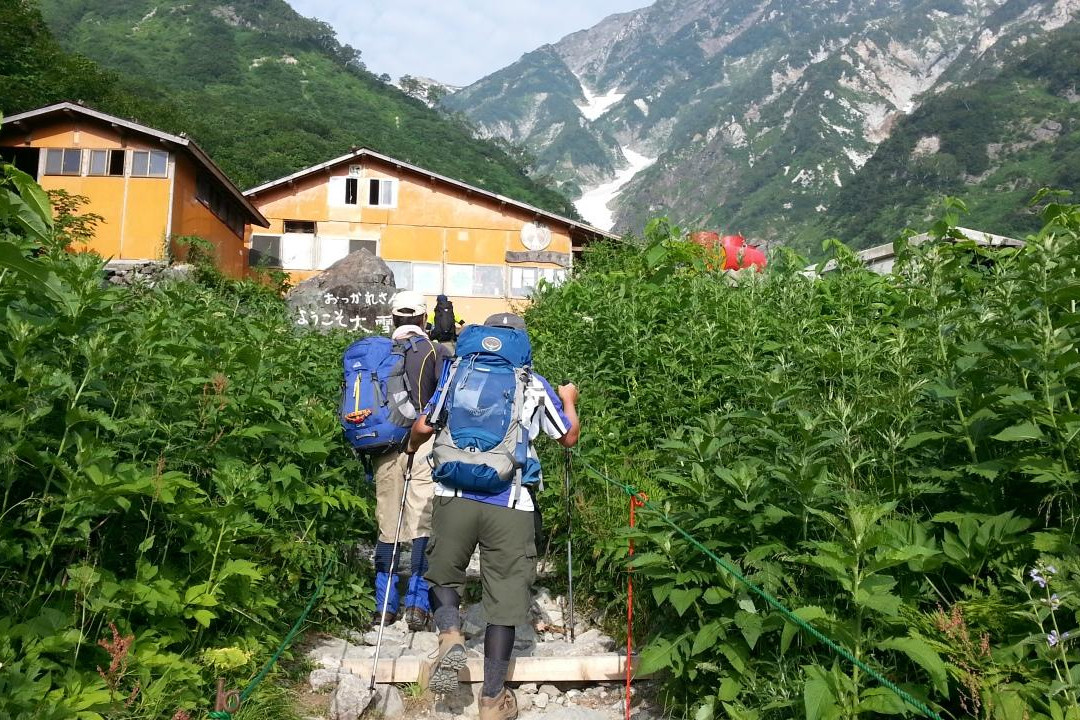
481, 444
378, 406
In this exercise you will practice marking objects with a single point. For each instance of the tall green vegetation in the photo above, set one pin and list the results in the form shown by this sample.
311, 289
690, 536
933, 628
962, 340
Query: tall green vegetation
171, 479
894, 457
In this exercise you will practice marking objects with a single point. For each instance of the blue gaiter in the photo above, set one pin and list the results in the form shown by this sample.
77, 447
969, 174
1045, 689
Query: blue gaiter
418, 586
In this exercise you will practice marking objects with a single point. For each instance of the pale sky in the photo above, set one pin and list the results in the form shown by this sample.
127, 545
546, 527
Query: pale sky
454, 41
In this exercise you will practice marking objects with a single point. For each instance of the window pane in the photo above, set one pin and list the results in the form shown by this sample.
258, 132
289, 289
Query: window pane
372, 246
373, 192
265, 251
159, 163
332, 249
140, 163
427, 278
459, 279
300, 226
488, 280
72, 161
97, 161
522, 281
298, 252
351, 185
54, 161
402, 274
116, 162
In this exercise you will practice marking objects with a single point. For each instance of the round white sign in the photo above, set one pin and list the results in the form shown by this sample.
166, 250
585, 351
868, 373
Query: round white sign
535, 236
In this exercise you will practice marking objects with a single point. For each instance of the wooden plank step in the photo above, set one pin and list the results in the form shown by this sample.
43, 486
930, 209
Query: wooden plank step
584, 668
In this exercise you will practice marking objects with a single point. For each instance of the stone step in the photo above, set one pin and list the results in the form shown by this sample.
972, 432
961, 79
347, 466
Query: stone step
604, 667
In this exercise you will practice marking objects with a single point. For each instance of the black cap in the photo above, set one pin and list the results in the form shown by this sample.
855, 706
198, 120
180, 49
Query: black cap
505, 319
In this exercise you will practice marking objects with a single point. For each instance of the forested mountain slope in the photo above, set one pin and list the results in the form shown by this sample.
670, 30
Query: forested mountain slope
267, 92
994, 144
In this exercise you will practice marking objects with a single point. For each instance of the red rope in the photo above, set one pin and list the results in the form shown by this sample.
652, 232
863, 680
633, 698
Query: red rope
636, 501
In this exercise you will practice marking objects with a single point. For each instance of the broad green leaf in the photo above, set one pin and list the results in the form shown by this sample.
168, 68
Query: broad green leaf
715, 595
881, 700
33, 195
807, 613
1017, 433
919, 438
706, 636
240, 567
683, 598
750, 625
707, 711
740, 713
736, 654
729, 689
655, 656
922, 655
203, 617
818, 696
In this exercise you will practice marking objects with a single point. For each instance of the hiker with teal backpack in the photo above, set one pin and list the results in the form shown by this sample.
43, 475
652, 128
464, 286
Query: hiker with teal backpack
489, 408
387, 382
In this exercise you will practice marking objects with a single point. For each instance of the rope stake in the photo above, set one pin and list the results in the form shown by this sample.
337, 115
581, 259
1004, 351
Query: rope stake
772, 601
636, 500
250, 688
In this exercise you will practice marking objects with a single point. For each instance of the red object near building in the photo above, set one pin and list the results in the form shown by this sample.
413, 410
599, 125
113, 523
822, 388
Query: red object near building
733, 250
739, 255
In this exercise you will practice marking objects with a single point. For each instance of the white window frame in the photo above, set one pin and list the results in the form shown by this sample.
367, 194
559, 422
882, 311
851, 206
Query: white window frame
324, 259
388, 192
556, 276
63, 155
108, 158
149, 159
406, 280
452, 268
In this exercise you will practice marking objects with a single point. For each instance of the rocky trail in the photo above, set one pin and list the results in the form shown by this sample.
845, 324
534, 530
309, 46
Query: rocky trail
342, 670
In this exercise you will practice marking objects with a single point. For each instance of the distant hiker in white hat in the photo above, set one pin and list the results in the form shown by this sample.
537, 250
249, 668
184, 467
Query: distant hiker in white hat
423, 362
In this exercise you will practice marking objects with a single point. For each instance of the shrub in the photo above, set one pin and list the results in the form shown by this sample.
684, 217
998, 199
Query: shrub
171, 480
891, 456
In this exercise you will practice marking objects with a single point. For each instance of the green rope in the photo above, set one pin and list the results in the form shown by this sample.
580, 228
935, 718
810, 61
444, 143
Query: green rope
764, 595
246, 692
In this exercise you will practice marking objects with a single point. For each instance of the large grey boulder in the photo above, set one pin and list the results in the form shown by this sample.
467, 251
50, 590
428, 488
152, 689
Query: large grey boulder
352, 294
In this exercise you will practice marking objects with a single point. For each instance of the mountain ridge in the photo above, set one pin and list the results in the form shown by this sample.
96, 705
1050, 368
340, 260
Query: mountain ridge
759, 111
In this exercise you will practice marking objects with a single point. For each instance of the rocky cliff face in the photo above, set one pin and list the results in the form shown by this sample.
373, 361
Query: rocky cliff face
747, 114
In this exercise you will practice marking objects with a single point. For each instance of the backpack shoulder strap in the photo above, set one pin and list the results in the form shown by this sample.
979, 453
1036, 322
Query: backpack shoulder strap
437, 411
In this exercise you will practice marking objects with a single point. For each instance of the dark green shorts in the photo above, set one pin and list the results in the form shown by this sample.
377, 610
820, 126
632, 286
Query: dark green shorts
507, 554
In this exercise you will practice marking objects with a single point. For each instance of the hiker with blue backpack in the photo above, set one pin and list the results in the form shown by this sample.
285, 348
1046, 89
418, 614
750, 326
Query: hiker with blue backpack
488, 409
387, 382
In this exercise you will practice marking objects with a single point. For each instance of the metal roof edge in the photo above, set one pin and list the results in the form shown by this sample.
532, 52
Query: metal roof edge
180, 140
367, 152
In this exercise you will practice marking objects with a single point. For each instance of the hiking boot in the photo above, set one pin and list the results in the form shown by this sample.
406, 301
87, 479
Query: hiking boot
388, 617
501, 707
417, 618
449, 659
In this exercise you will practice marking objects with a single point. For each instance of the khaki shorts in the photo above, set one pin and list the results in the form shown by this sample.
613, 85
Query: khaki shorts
507, 554
389, 471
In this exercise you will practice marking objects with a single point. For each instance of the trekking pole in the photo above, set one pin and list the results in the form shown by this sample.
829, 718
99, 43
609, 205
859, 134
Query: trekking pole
569, 548
393, 564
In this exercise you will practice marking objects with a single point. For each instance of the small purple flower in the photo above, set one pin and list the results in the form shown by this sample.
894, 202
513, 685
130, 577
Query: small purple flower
1055, 601
1037, 577
1053, 638
1051, 570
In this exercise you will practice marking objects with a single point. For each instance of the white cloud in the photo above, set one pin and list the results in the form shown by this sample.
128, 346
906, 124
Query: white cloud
454, 41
